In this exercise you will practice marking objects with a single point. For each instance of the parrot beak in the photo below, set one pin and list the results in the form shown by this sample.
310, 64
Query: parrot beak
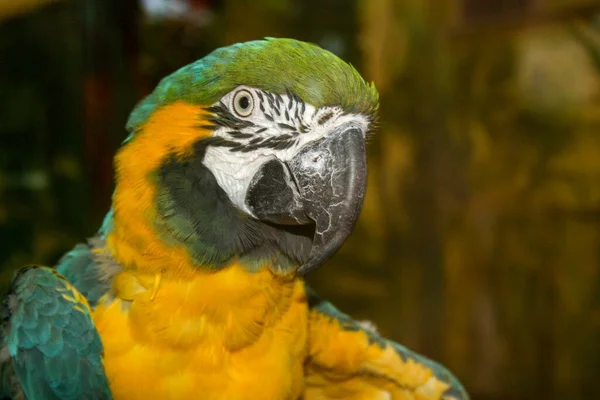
323, 184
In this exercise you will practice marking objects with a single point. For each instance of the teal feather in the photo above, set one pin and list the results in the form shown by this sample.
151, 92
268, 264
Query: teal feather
56, 352
49, 308
80, 267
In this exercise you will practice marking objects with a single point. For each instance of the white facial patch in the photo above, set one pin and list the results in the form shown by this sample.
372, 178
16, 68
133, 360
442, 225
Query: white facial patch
258, 126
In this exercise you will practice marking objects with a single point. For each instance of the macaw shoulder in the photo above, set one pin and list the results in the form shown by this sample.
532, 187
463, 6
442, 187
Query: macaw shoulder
89, 269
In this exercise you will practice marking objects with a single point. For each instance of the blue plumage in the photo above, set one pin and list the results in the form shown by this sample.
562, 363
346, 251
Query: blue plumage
53, 347
80, 267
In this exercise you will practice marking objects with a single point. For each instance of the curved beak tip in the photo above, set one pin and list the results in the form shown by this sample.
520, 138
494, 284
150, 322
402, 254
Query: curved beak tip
332, 181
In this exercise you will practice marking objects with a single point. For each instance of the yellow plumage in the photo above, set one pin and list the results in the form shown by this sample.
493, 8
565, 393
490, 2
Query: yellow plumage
231, 335
242, 335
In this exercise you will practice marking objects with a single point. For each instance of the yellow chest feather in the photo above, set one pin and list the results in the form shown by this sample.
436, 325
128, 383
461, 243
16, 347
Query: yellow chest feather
232, 335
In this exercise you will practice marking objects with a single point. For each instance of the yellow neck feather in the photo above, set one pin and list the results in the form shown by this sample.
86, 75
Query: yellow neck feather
225, 310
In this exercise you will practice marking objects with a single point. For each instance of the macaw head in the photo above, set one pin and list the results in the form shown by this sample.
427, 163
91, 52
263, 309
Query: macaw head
254, 153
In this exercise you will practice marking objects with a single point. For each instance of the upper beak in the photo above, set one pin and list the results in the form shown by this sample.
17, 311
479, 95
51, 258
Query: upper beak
324, 184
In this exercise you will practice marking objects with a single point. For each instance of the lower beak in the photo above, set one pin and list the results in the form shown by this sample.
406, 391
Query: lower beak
323, 184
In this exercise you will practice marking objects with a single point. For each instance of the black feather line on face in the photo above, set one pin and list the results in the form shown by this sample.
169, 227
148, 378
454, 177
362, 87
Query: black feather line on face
245, 149
265, 143
285, 126
271, 99
279, 102
221, 116
291, 98
240, 135
324, 118
220, 142
283, 145
274, 142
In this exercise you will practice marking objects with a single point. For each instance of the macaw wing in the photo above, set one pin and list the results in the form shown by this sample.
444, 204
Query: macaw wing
349, 360
51, 349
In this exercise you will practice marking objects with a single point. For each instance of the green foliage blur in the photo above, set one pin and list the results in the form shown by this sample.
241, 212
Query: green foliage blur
479, 241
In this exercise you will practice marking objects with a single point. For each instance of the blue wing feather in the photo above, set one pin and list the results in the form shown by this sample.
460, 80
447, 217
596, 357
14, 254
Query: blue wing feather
54, 349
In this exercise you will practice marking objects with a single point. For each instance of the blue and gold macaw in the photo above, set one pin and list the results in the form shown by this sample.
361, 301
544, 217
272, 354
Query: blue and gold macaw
243, 172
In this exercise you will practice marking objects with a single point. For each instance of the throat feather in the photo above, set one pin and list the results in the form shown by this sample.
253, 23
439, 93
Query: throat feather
228, 309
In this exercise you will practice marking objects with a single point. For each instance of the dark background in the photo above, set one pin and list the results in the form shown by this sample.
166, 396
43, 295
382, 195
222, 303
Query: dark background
479, 242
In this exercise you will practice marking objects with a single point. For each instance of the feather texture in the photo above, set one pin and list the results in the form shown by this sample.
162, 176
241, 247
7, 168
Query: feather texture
53, 347
349, 360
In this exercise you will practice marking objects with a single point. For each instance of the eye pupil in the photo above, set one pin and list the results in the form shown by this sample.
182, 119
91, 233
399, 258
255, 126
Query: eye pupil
244, 102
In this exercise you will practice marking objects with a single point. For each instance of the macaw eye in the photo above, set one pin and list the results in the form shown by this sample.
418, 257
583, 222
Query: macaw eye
243, 103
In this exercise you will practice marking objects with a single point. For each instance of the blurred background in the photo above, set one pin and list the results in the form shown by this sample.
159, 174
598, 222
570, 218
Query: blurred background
479, 242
